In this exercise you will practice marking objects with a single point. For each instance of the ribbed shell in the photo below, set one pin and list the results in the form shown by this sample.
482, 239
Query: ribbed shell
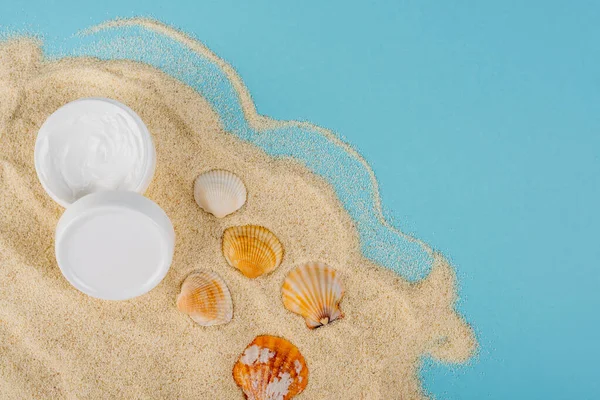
206, 299
219, 192
271, 368
314, 291
252, 249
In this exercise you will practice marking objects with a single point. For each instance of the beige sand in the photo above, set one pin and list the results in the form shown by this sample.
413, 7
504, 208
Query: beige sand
55, 342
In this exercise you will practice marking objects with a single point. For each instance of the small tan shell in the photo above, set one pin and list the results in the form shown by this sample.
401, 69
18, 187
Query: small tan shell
271, 368
314, 291
205, 298
252, 249
219, 192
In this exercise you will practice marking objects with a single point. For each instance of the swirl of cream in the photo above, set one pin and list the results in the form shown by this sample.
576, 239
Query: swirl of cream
93, 149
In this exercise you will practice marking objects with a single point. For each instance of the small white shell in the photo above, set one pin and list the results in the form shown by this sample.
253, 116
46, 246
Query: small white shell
219, 192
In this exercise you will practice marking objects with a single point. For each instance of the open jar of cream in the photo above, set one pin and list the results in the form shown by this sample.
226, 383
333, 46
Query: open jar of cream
96, 157
92, 145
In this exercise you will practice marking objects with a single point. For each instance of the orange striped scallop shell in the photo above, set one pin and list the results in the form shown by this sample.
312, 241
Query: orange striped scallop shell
252, 249
314, 291
271, 368
206, 299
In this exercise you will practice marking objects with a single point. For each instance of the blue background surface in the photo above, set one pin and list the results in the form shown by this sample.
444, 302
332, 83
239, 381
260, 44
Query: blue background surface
482, 122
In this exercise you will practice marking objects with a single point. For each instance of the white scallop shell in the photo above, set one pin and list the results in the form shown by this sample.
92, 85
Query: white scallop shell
219, 192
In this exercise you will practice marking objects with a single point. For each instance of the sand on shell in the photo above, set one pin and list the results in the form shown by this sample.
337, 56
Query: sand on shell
56, 342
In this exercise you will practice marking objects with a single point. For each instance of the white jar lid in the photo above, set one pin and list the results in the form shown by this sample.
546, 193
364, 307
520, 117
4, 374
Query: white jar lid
93, 145
114, 245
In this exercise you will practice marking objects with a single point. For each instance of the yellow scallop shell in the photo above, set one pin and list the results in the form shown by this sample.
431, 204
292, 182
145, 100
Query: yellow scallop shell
314, 291
271, 368
206, 299
252, 249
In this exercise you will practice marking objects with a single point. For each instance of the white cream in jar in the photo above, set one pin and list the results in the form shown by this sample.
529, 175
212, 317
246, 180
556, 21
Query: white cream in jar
93, 145
95, 157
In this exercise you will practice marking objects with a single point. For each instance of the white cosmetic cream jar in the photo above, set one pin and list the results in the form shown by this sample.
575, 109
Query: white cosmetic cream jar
114, 245
95, 157
93, 145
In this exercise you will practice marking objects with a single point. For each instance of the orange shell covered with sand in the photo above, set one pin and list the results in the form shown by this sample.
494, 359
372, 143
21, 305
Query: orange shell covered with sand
206, 299
252, 249
271, 368
314, 291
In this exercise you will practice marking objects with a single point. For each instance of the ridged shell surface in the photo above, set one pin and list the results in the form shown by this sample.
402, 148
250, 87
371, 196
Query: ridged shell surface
206, 298
219, 192
252, 249
314, 291
271, 368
